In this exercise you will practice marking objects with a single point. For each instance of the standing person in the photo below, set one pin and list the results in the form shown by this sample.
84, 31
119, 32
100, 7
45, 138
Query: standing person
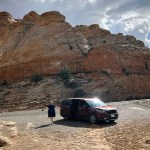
51, 111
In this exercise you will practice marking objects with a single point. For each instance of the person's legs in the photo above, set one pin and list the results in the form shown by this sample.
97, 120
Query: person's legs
51, 120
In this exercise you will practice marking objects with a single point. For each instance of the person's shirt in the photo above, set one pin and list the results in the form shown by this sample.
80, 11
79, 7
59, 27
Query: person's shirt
51, 107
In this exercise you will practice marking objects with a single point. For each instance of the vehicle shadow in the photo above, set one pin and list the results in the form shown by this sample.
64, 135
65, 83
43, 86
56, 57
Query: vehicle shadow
78, 123
85, 124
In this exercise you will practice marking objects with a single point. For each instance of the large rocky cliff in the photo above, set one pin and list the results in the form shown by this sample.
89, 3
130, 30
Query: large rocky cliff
117, 65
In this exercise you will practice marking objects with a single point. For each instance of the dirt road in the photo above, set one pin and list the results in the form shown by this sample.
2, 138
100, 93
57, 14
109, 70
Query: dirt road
130, 132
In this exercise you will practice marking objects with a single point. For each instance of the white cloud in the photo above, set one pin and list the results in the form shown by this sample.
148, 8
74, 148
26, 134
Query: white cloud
42, 1
104, 22
147, 42
131, 23
141, 31
92, 1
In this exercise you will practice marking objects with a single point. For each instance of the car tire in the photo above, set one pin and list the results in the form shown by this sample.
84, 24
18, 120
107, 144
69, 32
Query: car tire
92, 119
66, 118
111, 121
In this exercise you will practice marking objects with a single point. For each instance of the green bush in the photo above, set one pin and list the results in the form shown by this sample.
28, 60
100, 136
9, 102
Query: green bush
79, 93
126, 71
65, 74
104, 72
70, 46
146, 66
36, 78
73, 84
5, 83
104, 41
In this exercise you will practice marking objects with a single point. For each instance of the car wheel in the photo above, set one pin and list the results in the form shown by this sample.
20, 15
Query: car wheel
93, 119
65, 118
111, 121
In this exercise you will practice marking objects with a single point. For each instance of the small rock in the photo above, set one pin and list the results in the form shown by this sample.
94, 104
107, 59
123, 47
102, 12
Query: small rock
4, 141
147, 141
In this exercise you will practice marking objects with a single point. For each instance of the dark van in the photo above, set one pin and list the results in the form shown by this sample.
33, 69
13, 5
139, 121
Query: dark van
91, 109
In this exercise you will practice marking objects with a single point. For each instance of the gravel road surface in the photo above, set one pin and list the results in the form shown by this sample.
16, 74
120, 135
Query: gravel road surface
130, 132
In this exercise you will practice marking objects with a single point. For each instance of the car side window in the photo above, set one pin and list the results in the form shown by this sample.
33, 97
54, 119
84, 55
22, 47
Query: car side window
83, 104
66, 103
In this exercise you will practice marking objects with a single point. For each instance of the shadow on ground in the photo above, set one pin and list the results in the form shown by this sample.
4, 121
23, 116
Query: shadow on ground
78, 123
42, 126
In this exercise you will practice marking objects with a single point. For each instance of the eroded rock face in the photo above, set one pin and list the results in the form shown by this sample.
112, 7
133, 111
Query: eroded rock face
32, 16
6, 19
52, 16
45, 18
97, 35
45, 43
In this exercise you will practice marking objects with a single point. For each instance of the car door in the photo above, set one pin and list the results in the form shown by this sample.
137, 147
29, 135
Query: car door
74, 108
83, 110
65, 108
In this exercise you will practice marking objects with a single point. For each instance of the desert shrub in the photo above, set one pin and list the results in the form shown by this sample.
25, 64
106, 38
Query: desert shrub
137, 97
79, 93
6, 93
65, 74
5, 83
104, 72
146, 66
104, 41
126, 71
36, 78
71, 84
71, 47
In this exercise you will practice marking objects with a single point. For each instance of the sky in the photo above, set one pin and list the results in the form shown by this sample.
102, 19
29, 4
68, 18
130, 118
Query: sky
130, 17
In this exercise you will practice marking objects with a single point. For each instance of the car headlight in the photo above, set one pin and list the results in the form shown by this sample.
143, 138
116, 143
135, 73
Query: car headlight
100, 111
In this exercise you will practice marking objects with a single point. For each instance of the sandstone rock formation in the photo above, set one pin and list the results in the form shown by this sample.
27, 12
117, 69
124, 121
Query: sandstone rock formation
96, 35
45, 43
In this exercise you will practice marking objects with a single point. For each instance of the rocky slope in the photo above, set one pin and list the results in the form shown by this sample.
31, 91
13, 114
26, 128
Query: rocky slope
114, 67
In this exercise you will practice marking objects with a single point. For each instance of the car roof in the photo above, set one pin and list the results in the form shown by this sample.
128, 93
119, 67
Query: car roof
82, 98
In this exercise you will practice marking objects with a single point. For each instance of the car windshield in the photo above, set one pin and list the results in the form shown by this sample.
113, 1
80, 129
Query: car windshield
96, 103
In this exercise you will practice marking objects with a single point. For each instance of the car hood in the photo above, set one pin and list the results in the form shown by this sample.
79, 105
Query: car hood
106, 107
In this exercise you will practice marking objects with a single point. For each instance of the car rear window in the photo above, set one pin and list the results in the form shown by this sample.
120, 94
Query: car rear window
66, 102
